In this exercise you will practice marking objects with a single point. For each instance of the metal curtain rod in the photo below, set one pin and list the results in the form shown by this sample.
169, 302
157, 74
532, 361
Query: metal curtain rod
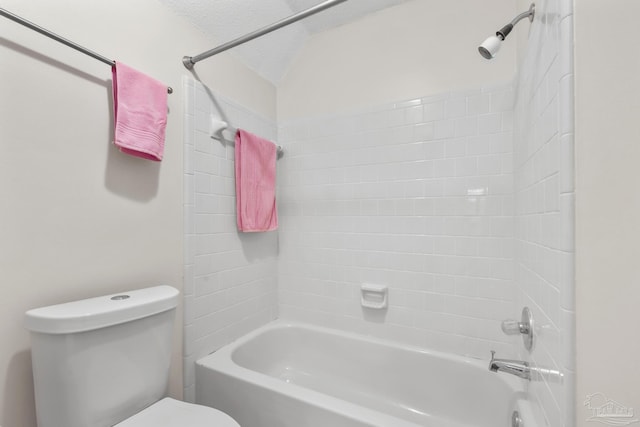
190, 61
54, 36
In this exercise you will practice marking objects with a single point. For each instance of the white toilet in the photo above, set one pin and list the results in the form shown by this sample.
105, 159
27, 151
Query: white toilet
104, 362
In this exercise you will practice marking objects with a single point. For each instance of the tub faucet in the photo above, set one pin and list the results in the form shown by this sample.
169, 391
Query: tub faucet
518, 368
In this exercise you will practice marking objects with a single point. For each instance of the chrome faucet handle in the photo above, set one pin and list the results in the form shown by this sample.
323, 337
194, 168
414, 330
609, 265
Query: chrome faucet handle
513, 327
524, 327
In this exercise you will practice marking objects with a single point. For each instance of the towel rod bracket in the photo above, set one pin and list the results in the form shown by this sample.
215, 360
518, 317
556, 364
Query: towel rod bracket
188, 63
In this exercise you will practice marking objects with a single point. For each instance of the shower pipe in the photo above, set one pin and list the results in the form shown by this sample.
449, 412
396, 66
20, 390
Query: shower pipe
54, 36
190, 61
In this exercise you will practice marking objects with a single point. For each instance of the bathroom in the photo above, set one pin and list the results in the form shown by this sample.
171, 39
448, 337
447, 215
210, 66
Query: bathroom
81, 219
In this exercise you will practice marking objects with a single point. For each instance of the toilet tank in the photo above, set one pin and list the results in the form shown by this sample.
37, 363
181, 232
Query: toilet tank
98, 361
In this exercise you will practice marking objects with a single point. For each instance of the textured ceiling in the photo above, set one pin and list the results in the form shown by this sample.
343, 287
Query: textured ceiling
270, 55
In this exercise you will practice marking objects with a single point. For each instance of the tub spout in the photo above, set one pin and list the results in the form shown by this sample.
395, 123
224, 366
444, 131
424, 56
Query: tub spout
518, 368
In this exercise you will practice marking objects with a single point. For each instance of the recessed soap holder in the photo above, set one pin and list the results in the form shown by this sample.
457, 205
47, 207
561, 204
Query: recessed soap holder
374, 296
525, 327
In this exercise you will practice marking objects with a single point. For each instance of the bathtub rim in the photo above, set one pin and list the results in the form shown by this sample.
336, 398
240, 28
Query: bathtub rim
221, 362
228, 349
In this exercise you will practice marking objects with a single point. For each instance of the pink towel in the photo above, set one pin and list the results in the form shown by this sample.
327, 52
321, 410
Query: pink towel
255, 183
140, 104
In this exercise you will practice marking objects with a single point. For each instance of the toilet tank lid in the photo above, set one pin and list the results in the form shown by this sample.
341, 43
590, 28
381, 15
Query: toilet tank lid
100, 312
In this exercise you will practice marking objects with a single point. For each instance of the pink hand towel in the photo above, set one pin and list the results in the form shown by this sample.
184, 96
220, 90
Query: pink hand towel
140, 104
255, 183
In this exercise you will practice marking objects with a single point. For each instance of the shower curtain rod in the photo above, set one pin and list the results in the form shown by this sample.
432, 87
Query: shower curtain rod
54, 36
190, 61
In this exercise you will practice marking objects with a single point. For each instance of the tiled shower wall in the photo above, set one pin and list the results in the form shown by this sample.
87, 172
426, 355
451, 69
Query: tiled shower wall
544, 204
230, 282
416, 196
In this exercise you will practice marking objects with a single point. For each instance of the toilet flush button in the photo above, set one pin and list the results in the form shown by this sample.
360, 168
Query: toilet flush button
120, 297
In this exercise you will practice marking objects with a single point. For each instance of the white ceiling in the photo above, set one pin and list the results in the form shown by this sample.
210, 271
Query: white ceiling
270, 55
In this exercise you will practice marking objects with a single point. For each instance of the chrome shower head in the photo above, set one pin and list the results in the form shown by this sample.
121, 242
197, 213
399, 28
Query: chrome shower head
490, 47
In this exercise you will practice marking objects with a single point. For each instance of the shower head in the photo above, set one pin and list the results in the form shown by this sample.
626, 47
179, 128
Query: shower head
490, 47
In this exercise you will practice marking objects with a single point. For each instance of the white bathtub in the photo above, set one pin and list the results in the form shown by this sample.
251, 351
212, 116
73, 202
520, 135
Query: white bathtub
295, 375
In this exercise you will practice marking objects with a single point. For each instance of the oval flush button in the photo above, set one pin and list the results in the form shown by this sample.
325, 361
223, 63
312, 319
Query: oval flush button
120, 297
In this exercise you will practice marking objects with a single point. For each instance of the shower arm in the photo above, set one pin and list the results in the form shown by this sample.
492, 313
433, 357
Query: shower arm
504, 31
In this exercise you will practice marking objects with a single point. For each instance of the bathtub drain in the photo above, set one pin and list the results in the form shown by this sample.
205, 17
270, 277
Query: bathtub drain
516, 421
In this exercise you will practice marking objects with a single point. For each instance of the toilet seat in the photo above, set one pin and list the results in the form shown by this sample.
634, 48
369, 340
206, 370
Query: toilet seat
174, 413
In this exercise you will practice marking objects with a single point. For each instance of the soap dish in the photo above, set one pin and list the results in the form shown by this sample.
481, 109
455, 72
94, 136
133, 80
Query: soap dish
374, 296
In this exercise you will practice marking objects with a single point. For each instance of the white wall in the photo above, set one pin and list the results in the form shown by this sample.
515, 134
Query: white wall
79, 218
388, 134
415, 49
230, 282
416, 196
544, 204
381, 59
607, 203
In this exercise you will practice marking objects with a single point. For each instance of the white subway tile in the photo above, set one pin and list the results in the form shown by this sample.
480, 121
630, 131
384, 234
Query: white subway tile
544, 154
433, 111
490, 123
455, 107
208, 211
431, 218
502, 100
424, 132
478, 104
413, 115
455, 147
444, 129
444, 168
